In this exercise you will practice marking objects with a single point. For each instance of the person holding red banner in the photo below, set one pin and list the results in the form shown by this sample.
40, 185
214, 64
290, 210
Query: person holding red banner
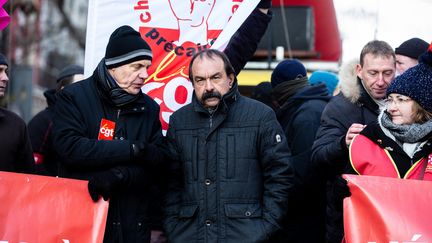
399, 143
363, 86
107, 131
15, 148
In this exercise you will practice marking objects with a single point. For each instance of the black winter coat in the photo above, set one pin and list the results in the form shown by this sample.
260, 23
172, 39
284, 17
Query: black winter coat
300, 117
16, 153
232, 175
40, 127
79, 110
329, 151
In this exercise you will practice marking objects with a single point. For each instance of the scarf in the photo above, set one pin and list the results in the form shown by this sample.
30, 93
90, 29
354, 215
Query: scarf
412, 133
110, 89
287, 89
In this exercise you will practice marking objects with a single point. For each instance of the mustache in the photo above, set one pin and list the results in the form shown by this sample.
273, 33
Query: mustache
209, 95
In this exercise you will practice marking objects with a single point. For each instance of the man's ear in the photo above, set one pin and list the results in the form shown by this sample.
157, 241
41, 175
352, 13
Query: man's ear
232, 78
358, 70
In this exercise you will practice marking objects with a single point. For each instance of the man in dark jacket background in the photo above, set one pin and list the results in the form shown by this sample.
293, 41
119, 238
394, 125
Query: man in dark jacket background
15, 148
299, 108
363, 89
108, 132
231, 171
40, 126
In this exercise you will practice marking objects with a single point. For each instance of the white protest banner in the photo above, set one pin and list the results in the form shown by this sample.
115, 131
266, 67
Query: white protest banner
175, 29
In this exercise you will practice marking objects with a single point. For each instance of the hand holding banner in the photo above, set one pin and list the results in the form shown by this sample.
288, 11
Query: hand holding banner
48, 209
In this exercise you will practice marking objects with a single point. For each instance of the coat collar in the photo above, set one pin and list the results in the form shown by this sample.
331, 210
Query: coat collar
352, 88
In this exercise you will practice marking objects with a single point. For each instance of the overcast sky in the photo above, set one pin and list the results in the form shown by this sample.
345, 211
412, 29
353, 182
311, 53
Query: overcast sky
393, 21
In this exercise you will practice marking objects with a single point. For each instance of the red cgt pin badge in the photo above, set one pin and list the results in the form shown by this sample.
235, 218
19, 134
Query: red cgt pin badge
106, 130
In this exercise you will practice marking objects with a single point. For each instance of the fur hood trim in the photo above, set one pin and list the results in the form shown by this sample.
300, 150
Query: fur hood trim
350, 88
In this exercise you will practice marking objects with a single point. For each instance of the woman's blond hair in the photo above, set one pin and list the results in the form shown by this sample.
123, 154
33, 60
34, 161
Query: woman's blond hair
420, 115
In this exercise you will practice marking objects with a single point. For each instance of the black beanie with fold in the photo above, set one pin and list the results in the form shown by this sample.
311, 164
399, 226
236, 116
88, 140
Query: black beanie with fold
413, 48
126, 45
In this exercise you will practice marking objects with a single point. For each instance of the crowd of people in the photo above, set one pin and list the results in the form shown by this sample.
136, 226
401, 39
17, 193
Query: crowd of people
230, 168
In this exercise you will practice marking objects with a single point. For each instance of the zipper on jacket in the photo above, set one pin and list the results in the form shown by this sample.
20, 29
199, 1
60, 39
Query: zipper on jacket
118, 113
211, 120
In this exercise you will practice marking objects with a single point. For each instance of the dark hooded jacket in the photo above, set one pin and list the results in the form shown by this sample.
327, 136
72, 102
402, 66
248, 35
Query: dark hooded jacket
329, 151
40, 127
231, 172
15, 148
300, 118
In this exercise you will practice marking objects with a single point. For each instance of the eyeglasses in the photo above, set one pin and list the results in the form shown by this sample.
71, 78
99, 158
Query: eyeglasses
398, 101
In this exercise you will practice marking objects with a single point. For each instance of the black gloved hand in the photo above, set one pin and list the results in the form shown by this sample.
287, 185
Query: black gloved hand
148, 154
105, 184
139, 150
266, 4
340, 191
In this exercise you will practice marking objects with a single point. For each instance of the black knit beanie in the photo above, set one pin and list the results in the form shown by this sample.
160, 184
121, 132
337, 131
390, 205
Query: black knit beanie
125, 46
3, 60
413, 48
287, 70
416, 82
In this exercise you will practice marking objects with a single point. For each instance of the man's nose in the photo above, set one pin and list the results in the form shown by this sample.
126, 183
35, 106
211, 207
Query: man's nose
208, 84
4, 77
381, 79
143, 73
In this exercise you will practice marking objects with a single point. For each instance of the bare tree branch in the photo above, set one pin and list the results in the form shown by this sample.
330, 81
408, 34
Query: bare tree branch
74, 32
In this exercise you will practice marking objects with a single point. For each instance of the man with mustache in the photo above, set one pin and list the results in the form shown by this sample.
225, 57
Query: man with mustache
231, 173
16, 153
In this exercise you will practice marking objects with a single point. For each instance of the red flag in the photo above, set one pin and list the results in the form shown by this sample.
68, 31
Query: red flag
383, 210
36, 209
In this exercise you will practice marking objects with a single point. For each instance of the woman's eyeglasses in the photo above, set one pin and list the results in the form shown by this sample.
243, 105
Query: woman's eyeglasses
398, 101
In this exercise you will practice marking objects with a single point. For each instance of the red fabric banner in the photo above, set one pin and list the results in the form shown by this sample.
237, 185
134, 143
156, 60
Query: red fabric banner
40, 209
387, 210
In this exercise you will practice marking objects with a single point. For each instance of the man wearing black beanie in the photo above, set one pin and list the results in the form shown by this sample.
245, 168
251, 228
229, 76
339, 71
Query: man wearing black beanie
107, 131
408, 52
15, 148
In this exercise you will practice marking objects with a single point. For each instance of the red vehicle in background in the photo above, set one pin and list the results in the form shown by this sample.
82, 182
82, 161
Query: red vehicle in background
302, 29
